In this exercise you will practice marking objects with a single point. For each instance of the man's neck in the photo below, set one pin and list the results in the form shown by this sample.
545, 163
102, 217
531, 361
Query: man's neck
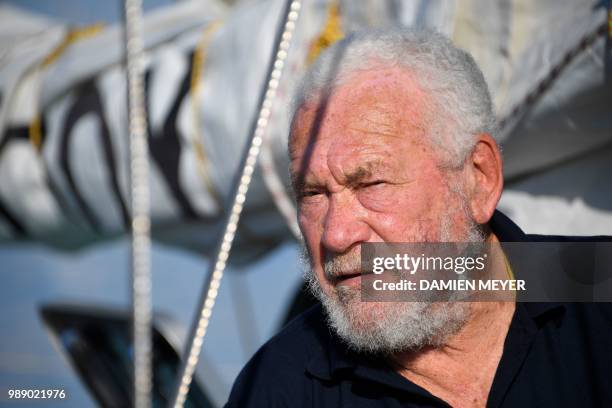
461, 372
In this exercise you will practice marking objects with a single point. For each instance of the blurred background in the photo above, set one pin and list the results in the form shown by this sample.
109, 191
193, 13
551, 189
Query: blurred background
64, 162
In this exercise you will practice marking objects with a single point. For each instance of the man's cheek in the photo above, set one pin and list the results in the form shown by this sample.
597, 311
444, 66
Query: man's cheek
312, 209
310, 221
312, 238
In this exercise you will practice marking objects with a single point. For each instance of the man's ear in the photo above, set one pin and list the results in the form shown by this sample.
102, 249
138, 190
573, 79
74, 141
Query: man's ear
484, 166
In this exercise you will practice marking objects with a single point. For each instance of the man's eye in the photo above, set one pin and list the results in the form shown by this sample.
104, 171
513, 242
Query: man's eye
309, 193
373, 183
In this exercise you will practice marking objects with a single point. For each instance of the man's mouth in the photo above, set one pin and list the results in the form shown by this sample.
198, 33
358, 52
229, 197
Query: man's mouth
349, 278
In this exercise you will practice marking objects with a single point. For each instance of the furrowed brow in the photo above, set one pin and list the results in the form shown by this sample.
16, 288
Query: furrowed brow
362, 173
359, 175
299, 182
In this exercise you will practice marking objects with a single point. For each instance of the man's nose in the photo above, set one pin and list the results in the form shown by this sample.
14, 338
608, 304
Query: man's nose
344, 225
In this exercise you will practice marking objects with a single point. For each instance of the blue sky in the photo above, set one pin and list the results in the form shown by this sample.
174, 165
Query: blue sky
83, 12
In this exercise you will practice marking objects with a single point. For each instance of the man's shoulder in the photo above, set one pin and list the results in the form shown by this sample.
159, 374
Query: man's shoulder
507, 231
305, 331
593, 316
276, 374
568, 238
296, 343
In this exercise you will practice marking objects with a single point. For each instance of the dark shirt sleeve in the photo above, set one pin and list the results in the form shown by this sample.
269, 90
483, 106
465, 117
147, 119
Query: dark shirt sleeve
272, 378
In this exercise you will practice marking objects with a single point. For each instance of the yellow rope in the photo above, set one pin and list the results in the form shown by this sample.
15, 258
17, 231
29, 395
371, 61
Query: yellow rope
35, 132
332, 32
199, 58
72, 36
508, 268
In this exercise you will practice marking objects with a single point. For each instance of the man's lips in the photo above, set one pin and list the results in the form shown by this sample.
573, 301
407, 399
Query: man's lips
347, 277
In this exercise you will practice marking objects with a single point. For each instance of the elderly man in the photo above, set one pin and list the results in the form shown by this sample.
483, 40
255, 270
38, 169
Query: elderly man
391, 142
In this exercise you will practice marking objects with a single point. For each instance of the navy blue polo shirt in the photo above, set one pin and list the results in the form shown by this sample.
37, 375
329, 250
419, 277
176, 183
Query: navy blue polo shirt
555, 355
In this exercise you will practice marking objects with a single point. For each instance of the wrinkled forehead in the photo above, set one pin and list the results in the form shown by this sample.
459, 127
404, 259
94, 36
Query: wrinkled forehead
381, 103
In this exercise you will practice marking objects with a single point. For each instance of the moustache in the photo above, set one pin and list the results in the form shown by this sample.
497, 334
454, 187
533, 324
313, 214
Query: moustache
340, 265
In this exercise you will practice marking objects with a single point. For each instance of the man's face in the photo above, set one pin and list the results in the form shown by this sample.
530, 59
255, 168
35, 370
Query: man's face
368, 175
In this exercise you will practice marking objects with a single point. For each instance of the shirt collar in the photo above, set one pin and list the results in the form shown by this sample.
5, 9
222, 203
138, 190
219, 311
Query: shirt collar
507, 231
333, 359
330, 355
544, 311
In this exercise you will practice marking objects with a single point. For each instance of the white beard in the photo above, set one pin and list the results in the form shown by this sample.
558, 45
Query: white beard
389, 327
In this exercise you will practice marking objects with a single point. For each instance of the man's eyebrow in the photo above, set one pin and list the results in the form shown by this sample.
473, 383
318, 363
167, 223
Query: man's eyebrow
358, 175
299, 182
362, 173
352, 179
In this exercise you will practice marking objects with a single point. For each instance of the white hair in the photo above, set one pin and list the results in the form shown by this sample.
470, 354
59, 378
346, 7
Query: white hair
459, 94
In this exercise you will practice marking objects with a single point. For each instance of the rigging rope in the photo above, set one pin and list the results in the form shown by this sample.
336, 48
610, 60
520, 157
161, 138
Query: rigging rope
241, 187
507, 123
197, 65
71, 37
140, 202
330, 33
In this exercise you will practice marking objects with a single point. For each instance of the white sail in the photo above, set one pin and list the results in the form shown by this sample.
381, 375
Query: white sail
63, 120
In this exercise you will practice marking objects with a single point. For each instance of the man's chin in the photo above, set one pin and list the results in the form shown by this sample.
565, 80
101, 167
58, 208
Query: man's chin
392, 327
369, 318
